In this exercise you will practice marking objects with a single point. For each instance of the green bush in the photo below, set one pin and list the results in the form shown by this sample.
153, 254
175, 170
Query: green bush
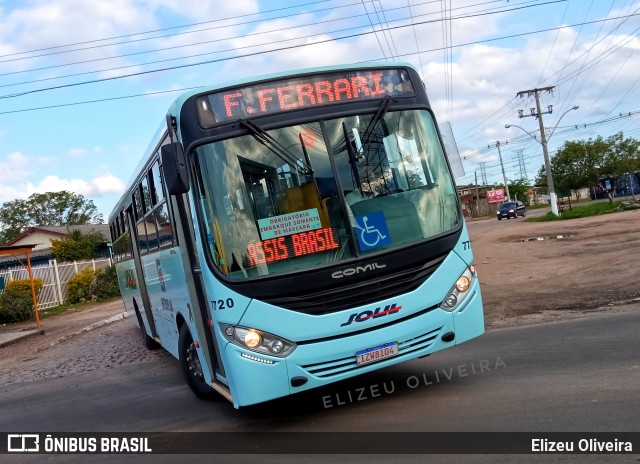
80, 286
16, 302
76, 246
89, 285
106, 284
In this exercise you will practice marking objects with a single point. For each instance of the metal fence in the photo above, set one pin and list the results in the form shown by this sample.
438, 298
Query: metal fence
54, 278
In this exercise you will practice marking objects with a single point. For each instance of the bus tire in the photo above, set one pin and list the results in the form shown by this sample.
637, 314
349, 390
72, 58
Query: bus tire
148, 342
190, 365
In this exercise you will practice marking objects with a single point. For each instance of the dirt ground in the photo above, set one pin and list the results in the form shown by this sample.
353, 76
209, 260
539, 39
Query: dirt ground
66, 347
593, 267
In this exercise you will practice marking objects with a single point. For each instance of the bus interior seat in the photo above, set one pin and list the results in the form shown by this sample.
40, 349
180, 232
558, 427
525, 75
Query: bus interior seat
303, 197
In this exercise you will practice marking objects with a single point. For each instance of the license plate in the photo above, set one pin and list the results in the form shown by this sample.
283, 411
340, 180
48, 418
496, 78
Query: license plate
376, 353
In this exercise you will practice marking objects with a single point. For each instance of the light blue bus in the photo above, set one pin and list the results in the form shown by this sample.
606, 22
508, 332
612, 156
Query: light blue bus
294, 230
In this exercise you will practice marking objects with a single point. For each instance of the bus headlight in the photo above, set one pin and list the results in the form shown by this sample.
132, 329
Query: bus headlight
459, 291
252, 338
463, 283
257, 340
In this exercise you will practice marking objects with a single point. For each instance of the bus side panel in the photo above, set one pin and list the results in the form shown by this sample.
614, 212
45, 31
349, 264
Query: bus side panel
463, 247
168, 294
469, 318
129, 289
252, 381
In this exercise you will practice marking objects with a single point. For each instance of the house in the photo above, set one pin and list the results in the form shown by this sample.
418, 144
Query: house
41, 237
470, 203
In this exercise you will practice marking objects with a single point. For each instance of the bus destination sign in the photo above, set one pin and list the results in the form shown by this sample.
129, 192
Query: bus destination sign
303, 92
292, 246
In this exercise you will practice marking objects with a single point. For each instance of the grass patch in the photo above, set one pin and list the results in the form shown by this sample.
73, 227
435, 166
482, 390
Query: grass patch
67, 307
594, 209
49, 312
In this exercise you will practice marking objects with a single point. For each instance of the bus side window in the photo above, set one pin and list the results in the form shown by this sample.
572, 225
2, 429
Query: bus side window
165, 231
137, 203
157, 186
142, 237
146, 194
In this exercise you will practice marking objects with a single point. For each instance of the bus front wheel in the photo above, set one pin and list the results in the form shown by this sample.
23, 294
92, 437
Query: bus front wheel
191, 367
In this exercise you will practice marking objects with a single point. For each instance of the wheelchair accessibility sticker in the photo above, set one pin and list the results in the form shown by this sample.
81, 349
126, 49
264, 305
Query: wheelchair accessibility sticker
372, 230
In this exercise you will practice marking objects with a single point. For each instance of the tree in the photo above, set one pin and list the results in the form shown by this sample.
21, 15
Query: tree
623, 156
518, 190
584, 163
62, 208
76, 246
581, 164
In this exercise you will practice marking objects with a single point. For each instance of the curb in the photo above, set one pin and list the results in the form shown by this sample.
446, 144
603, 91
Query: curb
95, 325
28, 334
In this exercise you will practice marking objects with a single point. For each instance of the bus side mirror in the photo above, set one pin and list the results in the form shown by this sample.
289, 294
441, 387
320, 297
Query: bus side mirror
174, 168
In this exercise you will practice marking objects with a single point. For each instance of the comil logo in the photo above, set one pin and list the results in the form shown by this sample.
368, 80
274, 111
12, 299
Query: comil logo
357, 270
23, 443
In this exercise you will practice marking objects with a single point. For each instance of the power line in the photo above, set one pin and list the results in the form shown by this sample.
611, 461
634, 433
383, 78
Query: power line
413, 23
62, 105
239, 56
160, 30
516, 140
315, 23
373, 27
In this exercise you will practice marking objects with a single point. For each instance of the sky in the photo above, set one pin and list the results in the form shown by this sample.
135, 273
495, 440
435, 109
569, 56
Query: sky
84, 85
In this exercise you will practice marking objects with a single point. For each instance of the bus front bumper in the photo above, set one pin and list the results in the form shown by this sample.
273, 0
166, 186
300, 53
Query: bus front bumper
257, 378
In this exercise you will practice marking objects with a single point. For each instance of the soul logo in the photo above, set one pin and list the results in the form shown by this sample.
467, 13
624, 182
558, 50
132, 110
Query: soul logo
368, 314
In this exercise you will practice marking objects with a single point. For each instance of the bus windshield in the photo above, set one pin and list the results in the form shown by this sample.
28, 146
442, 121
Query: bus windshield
314, 194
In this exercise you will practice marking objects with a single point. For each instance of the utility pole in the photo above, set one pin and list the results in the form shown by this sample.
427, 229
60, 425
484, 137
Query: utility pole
537, 113
477, 195
504, 176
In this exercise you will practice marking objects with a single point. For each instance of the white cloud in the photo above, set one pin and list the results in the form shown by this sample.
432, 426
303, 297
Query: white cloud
200, 10
106, 184
77, 152
42, 24
15, 167
10, 193
48, 160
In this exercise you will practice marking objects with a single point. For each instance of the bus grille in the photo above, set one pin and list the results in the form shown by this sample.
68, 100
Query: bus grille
335, 367
353, 294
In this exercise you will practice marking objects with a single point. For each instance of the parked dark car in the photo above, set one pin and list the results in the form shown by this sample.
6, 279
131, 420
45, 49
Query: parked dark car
511, 209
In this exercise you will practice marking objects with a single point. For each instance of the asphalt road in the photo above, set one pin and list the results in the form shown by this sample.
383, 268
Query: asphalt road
578, 375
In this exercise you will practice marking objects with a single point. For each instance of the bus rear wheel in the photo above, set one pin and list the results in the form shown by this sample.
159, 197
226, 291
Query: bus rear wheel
191, 367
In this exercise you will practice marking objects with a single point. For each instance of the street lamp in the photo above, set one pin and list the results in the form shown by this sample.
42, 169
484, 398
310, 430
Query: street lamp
547, 165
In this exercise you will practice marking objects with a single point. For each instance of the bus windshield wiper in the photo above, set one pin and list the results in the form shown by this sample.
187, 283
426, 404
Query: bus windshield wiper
353, 157
274, 146
377, 117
